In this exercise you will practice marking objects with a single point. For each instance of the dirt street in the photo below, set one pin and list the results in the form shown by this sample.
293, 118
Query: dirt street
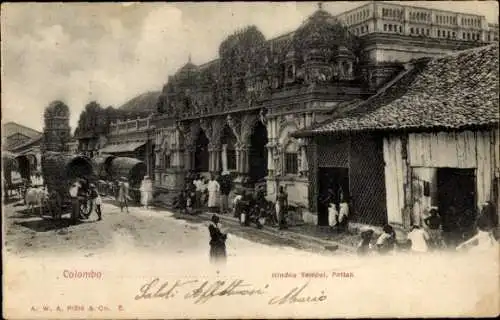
154, 230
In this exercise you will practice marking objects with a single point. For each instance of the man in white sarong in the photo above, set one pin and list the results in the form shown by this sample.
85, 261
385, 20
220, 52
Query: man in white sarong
146, 192
213, 190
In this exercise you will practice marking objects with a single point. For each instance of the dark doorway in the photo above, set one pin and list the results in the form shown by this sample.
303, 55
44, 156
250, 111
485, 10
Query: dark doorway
457, 190
258, 153
228, 139
201, 153
333, 184
24, 167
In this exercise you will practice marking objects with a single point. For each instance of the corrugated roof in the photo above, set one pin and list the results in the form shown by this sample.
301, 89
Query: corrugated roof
451, 92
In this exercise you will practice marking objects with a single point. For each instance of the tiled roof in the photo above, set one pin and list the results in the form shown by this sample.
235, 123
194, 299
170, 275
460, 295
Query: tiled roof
455, 91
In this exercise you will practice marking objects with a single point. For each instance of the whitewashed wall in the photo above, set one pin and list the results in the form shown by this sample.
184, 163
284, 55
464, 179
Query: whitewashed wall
467, 150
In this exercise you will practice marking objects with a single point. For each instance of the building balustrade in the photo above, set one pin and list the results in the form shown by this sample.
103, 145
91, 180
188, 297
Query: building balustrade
139, 124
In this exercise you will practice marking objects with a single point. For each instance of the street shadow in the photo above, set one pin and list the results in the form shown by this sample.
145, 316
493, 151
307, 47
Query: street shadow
44, 225
10, 200
25, 214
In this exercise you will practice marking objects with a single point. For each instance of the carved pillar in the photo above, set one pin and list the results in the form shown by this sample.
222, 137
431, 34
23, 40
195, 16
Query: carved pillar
210, 157
157, 158
309, 119
217, 158
213, 157
177, 151
223, 157
189, 158
238, 158
270, 162
244, 155
304, 166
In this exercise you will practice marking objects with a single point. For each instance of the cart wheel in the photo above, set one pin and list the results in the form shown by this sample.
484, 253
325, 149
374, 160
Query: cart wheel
85, 208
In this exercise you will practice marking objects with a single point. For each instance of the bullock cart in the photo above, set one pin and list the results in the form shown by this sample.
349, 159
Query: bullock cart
132, 169
11, 179
59, 172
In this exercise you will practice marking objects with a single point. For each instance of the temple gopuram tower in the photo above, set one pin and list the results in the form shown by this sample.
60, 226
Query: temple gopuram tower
56, 131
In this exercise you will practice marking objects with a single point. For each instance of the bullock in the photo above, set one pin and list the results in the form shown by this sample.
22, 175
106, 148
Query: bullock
36, 197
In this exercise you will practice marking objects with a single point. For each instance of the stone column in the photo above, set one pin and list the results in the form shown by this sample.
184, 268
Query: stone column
244, 158
210, 158
217, 158
304, 167
224, 157
238, 158
270, 162
189, 158
157, 158
38, 161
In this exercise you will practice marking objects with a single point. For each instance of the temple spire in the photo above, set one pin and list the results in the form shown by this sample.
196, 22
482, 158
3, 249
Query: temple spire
189, 58
320, 5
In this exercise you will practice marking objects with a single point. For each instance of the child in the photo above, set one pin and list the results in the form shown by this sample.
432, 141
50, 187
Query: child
433, 223
482, 241
387, 240
364, 246
419, 239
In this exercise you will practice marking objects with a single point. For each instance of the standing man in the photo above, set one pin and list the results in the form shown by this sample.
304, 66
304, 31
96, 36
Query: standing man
146, 191
123, 195
75, 202
281, 207
213, 189
95, 200
225, 189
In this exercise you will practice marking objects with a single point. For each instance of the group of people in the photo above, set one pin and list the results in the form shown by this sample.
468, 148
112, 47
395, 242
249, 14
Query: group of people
81, 190
253, 207
201, 192
337, 205
429, 237
123, 196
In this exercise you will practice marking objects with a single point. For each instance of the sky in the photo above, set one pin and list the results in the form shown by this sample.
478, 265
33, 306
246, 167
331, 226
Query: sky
112, 52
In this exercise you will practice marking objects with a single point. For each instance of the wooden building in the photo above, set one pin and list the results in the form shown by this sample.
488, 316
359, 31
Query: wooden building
428, 138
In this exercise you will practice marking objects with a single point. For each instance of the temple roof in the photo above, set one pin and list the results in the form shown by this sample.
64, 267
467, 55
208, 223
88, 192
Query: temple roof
57, 108
145, 102
453, 92
188, 67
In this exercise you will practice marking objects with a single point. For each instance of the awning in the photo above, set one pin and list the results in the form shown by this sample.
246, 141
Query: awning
123, 147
